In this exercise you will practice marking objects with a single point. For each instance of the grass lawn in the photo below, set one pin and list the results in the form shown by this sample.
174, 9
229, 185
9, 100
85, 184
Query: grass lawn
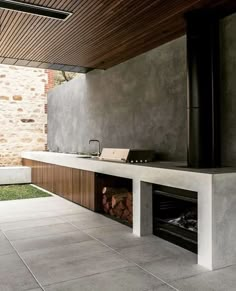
13, 192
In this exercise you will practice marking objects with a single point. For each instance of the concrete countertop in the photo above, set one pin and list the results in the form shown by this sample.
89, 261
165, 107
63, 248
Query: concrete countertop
122, 169
148, 172
157, 173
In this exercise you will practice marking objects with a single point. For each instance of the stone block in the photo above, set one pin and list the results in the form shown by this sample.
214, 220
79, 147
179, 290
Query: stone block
24, 120
4, 98
41, 140
3, 140
26, 140
17, 98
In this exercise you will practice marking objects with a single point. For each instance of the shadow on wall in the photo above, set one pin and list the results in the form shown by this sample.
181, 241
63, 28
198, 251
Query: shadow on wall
228, 93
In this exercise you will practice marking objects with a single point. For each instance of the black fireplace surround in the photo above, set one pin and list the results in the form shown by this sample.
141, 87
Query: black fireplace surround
175, 216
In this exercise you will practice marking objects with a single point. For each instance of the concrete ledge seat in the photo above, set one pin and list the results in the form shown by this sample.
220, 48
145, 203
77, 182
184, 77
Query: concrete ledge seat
15, 175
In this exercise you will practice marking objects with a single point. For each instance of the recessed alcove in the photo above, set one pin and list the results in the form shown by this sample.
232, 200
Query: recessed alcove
175, 216
114, 198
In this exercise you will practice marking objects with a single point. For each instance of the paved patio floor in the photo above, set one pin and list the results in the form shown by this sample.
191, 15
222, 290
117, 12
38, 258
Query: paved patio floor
54, 245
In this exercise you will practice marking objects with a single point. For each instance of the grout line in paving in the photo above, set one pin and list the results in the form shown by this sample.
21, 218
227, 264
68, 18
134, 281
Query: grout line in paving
48, 236
20, 228
140, 267
86, 276
24, 262
25, 218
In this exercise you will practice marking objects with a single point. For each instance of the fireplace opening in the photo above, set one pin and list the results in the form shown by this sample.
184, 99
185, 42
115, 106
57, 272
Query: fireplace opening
175, 216
114, 198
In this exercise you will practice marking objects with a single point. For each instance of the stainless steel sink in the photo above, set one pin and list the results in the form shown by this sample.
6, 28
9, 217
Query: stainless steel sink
87, 156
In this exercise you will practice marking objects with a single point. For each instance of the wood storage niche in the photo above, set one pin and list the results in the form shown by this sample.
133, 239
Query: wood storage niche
114, 198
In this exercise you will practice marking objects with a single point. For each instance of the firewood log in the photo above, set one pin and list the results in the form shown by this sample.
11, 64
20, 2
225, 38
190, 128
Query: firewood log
107, 207
116, 198
112, 190
125, 214
121, 205
129, 205
106, 210
118, 212
130, 196
104, 199
111, 212
130, 218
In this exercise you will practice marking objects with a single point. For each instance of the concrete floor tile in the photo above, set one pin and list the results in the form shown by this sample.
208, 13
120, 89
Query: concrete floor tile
175, 267
50, 241
219, 280
152, 251
28, 207
16, 217
5, 246
24, 217
124, 279
39, 231
30, 223
14, 275
74, 211
119, 237
76, 217
72, 264
164, 288
80, 250
92, 221
98, 232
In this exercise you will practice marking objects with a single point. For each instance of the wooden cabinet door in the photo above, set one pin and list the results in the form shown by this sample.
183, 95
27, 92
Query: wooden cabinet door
76, 186
42, 174
48, 177
36, 171
88, 189
63, 182
83, 188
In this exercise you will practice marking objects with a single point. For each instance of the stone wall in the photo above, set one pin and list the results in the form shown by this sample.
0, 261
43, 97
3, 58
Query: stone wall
23, 106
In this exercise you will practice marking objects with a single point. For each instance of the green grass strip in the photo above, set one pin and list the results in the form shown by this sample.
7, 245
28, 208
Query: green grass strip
14, 192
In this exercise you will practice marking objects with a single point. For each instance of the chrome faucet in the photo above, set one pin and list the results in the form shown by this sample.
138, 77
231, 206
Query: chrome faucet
99, 147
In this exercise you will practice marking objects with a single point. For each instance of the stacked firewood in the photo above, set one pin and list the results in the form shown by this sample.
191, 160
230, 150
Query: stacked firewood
118, 202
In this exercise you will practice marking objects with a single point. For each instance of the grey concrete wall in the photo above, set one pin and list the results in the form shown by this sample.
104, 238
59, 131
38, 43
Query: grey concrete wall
141, 103
138, 104
228, 94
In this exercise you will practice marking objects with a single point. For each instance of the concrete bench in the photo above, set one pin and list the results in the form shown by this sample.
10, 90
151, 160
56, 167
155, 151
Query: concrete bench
15, 175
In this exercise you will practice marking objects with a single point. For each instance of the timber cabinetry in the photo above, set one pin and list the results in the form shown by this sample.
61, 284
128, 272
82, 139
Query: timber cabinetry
62, 182
83, 190
73, 184
41, 174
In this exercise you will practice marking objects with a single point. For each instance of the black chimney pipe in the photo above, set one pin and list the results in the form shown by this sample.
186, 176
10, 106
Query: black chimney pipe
203, 90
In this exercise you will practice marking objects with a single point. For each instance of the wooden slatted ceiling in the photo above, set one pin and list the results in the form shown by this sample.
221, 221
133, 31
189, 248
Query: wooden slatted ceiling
99, 34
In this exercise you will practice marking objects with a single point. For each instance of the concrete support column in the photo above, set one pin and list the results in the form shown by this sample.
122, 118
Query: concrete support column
142, 208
